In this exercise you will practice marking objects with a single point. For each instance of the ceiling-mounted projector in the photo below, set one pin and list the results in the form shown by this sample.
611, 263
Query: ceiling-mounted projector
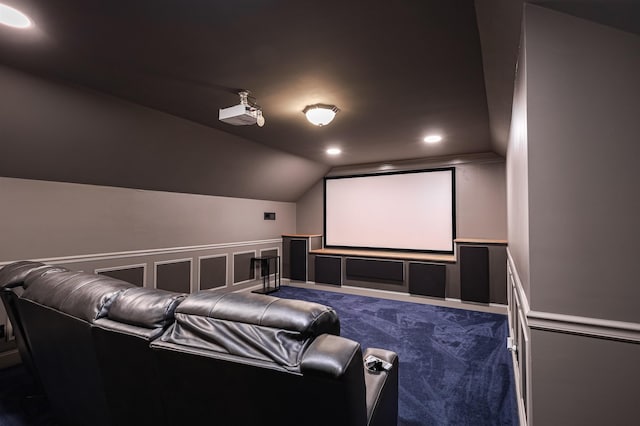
244, 114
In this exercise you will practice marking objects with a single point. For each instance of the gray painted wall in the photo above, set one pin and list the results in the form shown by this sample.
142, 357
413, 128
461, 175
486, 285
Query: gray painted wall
61, 133
582, 381
583, 100
481, 205
518, 175
41, 219
573, 206
480, 199
310, 210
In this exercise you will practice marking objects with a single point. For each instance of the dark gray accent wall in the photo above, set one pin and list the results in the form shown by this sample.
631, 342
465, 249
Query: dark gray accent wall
274, 262
61, 133
174, 276
213, 272
134, 276
499, 29
242, 270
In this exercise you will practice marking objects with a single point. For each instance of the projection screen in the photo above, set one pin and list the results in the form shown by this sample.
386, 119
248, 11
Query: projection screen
412, 210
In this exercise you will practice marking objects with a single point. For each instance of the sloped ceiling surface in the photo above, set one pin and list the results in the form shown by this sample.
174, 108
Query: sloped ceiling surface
398, 71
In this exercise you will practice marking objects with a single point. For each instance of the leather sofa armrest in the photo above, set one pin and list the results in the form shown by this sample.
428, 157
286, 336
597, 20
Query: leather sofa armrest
382, 390
330, 356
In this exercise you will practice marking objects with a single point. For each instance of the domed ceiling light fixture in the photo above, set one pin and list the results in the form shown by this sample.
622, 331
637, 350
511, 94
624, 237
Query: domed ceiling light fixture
320, 114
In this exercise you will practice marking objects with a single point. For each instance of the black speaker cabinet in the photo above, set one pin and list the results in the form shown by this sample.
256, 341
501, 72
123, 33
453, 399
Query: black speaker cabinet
298, 255
328, 270
474, 274
427, 279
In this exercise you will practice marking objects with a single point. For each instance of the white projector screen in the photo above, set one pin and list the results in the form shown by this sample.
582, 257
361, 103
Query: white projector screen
396, 211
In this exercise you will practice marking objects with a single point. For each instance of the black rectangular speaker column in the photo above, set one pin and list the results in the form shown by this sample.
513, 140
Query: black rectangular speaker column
298, 254
474, 274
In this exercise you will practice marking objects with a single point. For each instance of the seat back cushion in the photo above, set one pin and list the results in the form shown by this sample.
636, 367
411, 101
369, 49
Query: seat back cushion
251, 325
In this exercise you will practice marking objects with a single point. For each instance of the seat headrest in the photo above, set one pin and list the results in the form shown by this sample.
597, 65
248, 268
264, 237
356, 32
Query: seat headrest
249, 325
82, 295
306, 318
15, 274
145, 307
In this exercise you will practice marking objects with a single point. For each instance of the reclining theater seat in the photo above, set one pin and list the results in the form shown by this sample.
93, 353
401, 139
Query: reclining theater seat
135, 318
251, 359
57, 310
12, 278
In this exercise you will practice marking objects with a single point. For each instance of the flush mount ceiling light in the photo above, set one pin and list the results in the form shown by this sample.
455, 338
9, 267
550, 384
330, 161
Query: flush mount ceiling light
13, 17
433, 138
334, 151
320, 114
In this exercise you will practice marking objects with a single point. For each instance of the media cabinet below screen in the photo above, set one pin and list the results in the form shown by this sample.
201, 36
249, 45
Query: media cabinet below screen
475, 273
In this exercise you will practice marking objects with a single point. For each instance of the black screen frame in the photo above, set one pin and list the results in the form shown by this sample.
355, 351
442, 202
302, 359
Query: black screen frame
380, 249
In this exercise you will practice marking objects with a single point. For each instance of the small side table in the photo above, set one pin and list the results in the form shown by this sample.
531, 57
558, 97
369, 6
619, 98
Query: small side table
265, 270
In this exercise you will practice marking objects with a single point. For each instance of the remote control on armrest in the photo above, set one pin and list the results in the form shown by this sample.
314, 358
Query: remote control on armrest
375, 364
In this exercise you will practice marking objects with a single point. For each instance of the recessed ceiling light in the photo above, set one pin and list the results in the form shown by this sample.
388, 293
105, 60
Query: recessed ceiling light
334, 151
13, 17
433, 138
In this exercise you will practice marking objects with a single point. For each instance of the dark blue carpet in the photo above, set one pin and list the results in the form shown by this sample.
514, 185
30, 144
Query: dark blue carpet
454, 365
21, 403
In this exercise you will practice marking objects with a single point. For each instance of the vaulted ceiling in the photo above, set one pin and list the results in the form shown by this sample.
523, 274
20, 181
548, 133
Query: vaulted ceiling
397, 70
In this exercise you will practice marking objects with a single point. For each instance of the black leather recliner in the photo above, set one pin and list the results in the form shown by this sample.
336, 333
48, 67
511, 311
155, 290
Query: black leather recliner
135, 318
250, 359
12, 279
110, 353
57, 310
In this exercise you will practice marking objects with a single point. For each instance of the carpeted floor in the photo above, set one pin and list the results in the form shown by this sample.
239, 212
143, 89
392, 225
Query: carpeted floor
21, 402
454, 365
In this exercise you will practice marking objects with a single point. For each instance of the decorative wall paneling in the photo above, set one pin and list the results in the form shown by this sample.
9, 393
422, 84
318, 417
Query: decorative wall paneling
173, 275
212, 260
578, 332
242, 271
270, 252
213, 271
134, 274
183, 269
